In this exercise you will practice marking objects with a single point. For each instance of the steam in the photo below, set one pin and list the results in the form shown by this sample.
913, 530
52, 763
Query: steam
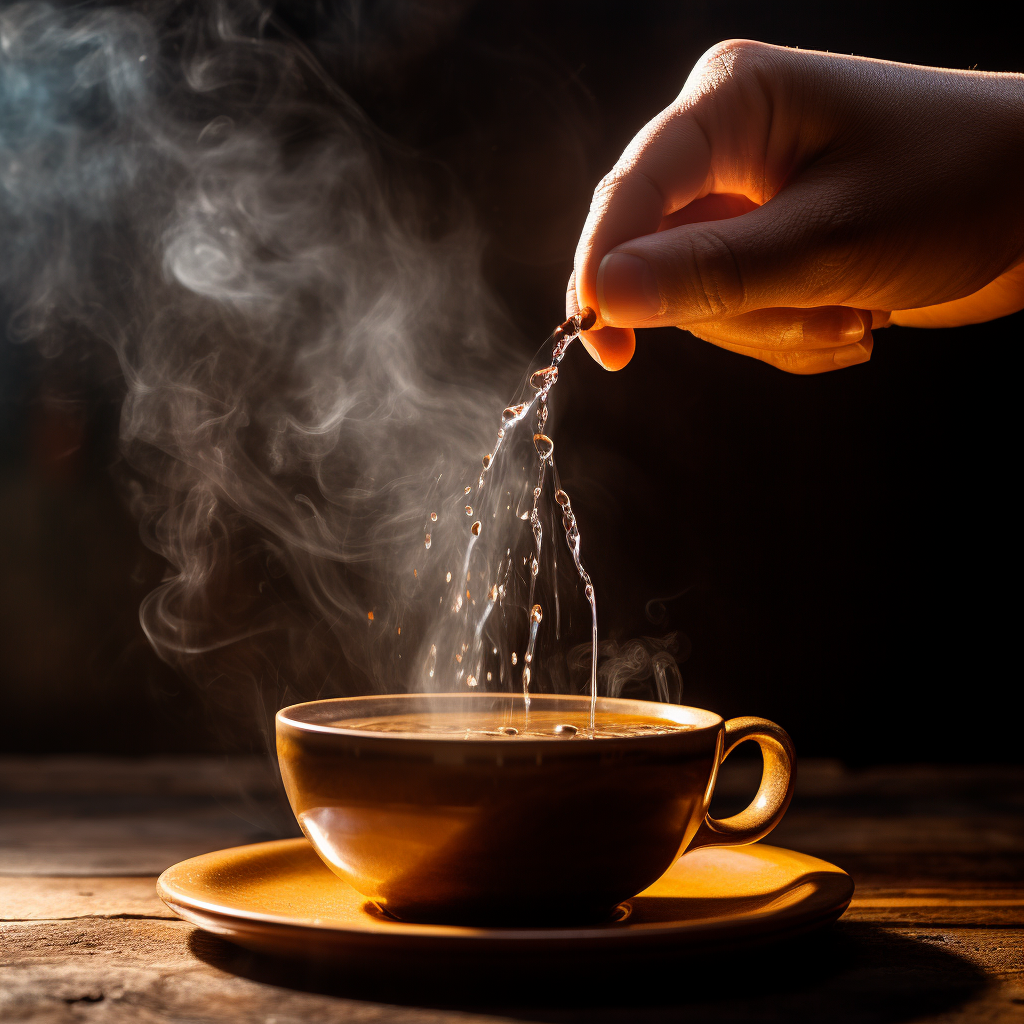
646, 668
309, 354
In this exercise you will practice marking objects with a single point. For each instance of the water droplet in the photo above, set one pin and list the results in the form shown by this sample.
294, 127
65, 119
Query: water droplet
426, 541
458, 604
526, 675
544, 445
399, 630
536, 613
589, 591
562, 498
433, 517
369, 615
467, 490
431, 661
458, 658
537, 492
486, 461
448, 577
415, 573
534, 566
566, 730
509, 730
469, 510
492, 594
544, 378
471, 680
476, 528
515, 658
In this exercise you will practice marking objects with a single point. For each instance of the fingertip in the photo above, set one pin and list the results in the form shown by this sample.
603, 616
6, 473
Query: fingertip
851, 355
612, 347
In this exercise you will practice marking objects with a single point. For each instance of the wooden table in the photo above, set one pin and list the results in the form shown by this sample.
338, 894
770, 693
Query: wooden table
935, 932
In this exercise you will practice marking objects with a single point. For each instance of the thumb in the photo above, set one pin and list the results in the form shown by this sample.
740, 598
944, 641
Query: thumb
774, 255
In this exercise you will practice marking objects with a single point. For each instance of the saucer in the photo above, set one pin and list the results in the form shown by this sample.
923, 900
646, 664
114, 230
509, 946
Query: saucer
280, 898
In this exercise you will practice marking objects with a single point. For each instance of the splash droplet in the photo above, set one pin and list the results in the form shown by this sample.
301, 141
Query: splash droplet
433, 517
448, 577
467, 490
426, 541
471, 680
476, 528
526, 675
469, 510
544, 378
415, 573
431, 661
486, 461
536, 613
561, 497
488, 677
515, 658
492, 595
513, 412
544, 445
369, 615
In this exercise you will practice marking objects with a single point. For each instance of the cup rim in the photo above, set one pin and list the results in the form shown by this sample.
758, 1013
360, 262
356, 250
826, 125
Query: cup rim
699, 718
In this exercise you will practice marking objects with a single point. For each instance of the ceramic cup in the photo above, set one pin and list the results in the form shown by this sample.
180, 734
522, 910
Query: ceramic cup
515, 831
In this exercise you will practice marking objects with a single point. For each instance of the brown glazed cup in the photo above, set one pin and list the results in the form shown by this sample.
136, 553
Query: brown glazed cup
515, 831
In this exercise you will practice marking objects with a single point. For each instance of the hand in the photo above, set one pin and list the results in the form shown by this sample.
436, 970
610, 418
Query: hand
789, 201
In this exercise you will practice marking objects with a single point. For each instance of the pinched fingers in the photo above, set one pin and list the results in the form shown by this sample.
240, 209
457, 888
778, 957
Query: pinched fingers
612, 347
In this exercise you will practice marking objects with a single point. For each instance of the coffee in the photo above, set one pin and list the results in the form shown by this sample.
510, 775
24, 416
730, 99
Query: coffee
541, 724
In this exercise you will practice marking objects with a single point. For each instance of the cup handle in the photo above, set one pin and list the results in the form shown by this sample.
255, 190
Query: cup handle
773, 795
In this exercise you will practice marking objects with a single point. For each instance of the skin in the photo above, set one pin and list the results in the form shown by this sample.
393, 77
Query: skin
790, 201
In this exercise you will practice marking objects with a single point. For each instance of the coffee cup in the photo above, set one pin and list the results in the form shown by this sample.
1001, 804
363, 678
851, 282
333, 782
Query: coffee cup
516, 830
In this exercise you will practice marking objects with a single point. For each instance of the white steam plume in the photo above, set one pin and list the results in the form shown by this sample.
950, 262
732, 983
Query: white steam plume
299, 315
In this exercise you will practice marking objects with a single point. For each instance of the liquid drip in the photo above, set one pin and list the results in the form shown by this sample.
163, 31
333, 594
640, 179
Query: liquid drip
572, 538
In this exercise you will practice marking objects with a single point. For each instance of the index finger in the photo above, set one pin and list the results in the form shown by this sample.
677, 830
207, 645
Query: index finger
665, 167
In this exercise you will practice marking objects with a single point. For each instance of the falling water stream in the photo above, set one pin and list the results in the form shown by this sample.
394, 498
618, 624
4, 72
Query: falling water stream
469, 648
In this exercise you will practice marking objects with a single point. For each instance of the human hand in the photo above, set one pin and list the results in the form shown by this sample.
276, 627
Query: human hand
789, 201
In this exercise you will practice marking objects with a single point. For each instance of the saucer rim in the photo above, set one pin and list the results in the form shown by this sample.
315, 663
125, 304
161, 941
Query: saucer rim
384, 931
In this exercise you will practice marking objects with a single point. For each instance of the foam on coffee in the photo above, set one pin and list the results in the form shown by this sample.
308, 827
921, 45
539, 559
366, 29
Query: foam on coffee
539, 724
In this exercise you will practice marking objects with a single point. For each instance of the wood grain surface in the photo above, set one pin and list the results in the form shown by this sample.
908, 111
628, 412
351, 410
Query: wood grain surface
935, 932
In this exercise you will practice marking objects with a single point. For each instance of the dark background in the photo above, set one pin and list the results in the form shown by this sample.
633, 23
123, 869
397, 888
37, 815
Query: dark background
834, 550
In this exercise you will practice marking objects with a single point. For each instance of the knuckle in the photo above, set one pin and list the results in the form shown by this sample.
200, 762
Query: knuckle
724, 62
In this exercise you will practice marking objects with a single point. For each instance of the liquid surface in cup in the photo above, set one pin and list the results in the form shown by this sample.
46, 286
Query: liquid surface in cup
539, 724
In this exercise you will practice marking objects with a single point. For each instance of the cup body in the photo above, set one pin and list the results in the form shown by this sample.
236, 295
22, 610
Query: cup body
496, 830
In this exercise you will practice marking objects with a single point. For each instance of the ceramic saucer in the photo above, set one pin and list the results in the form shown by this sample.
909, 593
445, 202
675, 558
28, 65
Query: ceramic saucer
280, 898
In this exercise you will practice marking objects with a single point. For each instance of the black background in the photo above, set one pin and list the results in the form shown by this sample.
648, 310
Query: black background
835, 550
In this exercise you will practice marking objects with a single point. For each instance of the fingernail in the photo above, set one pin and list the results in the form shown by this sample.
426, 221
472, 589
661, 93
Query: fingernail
626, 289
854, 325
850, 355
